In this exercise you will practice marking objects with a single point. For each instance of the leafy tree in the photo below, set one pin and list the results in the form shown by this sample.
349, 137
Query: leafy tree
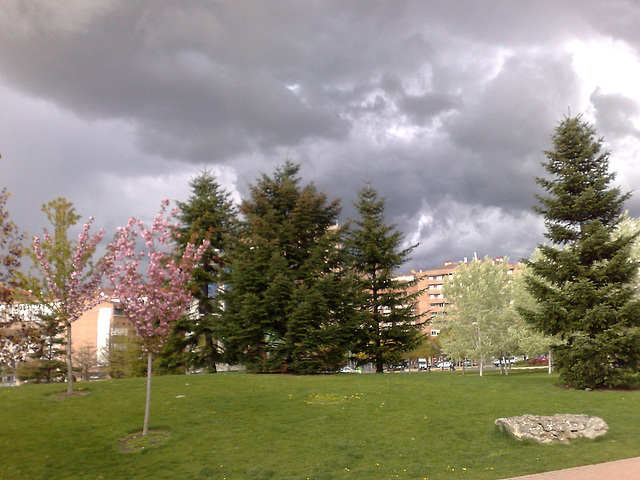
288, 305
480, 297
11, 251
154, 300
428, 348
86, 360
629, 226
389, 326
124, 356
70, 290
584, 282
208, 214
531, 342
13, 334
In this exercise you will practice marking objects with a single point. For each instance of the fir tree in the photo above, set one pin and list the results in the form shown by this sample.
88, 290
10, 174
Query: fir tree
208, 214
584, 281
48, 354
288, 304
390, 326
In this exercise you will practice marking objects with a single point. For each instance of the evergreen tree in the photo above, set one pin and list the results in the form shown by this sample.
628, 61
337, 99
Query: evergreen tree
584, 282
48, 354
288, 303
390, 326
208, 214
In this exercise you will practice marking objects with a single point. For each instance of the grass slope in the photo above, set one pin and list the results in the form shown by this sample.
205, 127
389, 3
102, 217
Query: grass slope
435, 425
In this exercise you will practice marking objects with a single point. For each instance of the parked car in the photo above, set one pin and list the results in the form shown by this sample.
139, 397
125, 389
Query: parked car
537, 361
505, 361
445, 364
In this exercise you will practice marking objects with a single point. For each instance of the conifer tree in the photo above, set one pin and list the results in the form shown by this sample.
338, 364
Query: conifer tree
288, 303
584, 281
390, 326
208, 214
47, 354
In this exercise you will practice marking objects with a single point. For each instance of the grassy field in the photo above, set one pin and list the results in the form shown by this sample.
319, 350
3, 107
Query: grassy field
436, 425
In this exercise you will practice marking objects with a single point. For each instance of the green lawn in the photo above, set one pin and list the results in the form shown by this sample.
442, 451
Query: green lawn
236, 426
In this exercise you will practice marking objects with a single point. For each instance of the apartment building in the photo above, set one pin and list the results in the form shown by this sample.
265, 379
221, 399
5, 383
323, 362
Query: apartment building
432, 281
91, 332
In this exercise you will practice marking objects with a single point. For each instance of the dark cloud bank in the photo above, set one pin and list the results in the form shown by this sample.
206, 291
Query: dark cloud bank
445, 106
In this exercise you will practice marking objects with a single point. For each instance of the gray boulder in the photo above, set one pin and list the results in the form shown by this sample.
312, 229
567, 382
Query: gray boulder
556, 428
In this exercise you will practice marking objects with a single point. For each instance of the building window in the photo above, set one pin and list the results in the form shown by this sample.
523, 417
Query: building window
212, 290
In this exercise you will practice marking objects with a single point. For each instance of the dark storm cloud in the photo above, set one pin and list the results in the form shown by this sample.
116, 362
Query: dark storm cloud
193, 94
614, 113
445, 106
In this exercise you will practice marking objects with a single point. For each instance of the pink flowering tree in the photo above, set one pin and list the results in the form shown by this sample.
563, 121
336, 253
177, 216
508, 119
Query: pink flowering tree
152, 301
74, 290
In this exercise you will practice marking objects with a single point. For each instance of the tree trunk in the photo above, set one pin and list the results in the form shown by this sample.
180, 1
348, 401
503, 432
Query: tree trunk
550, 361
481, 369
69, 363
147, 407
211, 358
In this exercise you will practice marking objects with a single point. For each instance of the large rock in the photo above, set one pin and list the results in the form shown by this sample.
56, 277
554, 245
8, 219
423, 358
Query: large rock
556, 428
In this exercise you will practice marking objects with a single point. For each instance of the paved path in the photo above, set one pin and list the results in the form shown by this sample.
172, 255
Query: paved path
628, 469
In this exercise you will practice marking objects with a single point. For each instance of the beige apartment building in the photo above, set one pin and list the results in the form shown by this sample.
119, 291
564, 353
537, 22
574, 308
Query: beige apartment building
93, 330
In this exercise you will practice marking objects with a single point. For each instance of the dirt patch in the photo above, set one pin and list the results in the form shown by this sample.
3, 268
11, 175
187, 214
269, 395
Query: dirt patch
136, 442
75, 393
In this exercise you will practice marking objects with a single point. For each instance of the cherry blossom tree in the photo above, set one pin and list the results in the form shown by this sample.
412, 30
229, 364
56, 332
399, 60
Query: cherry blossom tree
152, 301
71, 291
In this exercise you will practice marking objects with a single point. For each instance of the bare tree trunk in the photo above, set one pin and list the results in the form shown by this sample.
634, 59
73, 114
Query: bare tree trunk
69, 363
481, 369
550, 361
147, 407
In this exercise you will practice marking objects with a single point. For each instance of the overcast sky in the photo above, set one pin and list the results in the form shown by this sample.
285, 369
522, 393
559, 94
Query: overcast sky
446, 106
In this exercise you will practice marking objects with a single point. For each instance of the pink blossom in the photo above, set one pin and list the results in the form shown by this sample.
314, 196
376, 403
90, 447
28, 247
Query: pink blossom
77, 293
154, 300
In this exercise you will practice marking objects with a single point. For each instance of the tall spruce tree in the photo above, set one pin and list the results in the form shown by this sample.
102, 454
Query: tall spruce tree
389, 324
288, 305
208, 214
584, 281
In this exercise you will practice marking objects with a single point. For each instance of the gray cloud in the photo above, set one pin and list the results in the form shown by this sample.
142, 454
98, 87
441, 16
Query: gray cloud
614, 113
